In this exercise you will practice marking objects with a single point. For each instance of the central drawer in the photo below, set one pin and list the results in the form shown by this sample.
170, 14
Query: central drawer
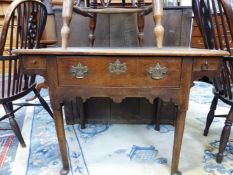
115, 71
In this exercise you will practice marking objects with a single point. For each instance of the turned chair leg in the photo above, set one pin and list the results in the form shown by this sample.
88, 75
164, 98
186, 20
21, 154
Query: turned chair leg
225, 136
92, 24
91, 36
43, 102
210, 116
14, 125
141, 22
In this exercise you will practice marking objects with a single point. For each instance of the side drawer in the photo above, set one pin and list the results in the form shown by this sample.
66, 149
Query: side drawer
204, 64
196, 32
34, 62
197, 42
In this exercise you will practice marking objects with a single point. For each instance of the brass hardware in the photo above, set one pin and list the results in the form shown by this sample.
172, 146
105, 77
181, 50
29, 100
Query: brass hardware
172, 32
157, 72
205, 65
79, 71
200, 42
34, 62
117, 67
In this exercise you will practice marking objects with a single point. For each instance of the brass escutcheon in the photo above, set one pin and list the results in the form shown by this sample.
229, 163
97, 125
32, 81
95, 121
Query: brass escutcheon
205, 66
79, 71
117, 67
157, 72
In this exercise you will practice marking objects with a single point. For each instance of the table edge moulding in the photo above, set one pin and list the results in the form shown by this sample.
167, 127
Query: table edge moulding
132, 51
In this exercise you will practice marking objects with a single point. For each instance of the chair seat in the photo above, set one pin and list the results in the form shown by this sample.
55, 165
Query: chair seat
16, 95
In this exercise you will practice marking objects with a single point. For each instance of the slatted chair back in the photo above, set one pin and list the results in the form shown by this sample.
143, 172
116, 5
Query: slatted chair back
23, 25
215, 21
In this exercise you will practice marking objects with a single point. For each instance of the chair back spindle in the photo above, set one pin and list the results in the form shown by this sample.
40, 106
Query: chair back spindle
215, 21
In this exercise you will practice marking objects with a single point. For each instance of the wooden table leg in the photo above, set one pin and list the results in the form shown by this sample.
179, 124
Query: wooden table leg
158, 105
59, 124
67, 11
178, 136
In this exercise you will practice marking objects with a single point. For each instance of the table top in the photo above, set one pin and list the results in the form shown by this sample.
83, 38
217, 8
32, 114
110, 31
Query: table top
132, 51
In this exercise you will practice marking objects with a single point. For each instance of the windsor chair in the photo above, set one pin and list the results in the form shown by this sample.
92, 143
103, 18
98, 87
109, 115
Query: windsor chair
215, 21
23, 26
93, 8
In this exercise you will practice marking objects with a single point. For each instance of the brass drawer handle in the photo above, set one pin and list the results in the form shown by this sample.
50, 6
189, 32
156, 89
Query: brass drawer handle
200, 42
157, 72
172, 32
79, 71
34, 62
117, 67
205, 66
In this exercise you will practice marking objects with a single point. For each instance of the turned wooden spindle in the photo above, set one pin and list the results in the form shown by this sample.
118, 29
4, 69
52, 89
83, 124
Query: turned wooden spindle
67, 11
141, 22
92, 24
157, 15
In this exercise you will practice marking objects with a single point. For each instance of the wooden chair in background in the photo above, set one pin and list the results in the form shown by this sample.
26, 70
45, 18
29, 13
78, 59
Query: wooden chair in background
215, 21
93, 8
23, 26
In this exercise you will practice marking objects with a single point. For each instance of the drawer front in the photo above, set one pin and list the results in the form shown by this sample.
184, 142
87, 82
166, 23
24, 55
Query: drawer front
34, 63
203, 64
132, 72
169, 79
196, 31
197, 42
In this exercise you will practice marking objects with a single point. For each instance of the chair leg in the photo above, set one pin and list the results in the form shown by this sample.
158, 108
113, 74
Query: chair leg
14, 125
141, 22
92, 25
210, 116
225, 136
43, 102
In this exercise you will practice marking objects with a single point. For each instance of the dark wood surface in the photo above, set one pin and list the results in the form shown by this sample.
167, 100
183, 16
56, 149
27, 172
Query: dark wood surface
62, 92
